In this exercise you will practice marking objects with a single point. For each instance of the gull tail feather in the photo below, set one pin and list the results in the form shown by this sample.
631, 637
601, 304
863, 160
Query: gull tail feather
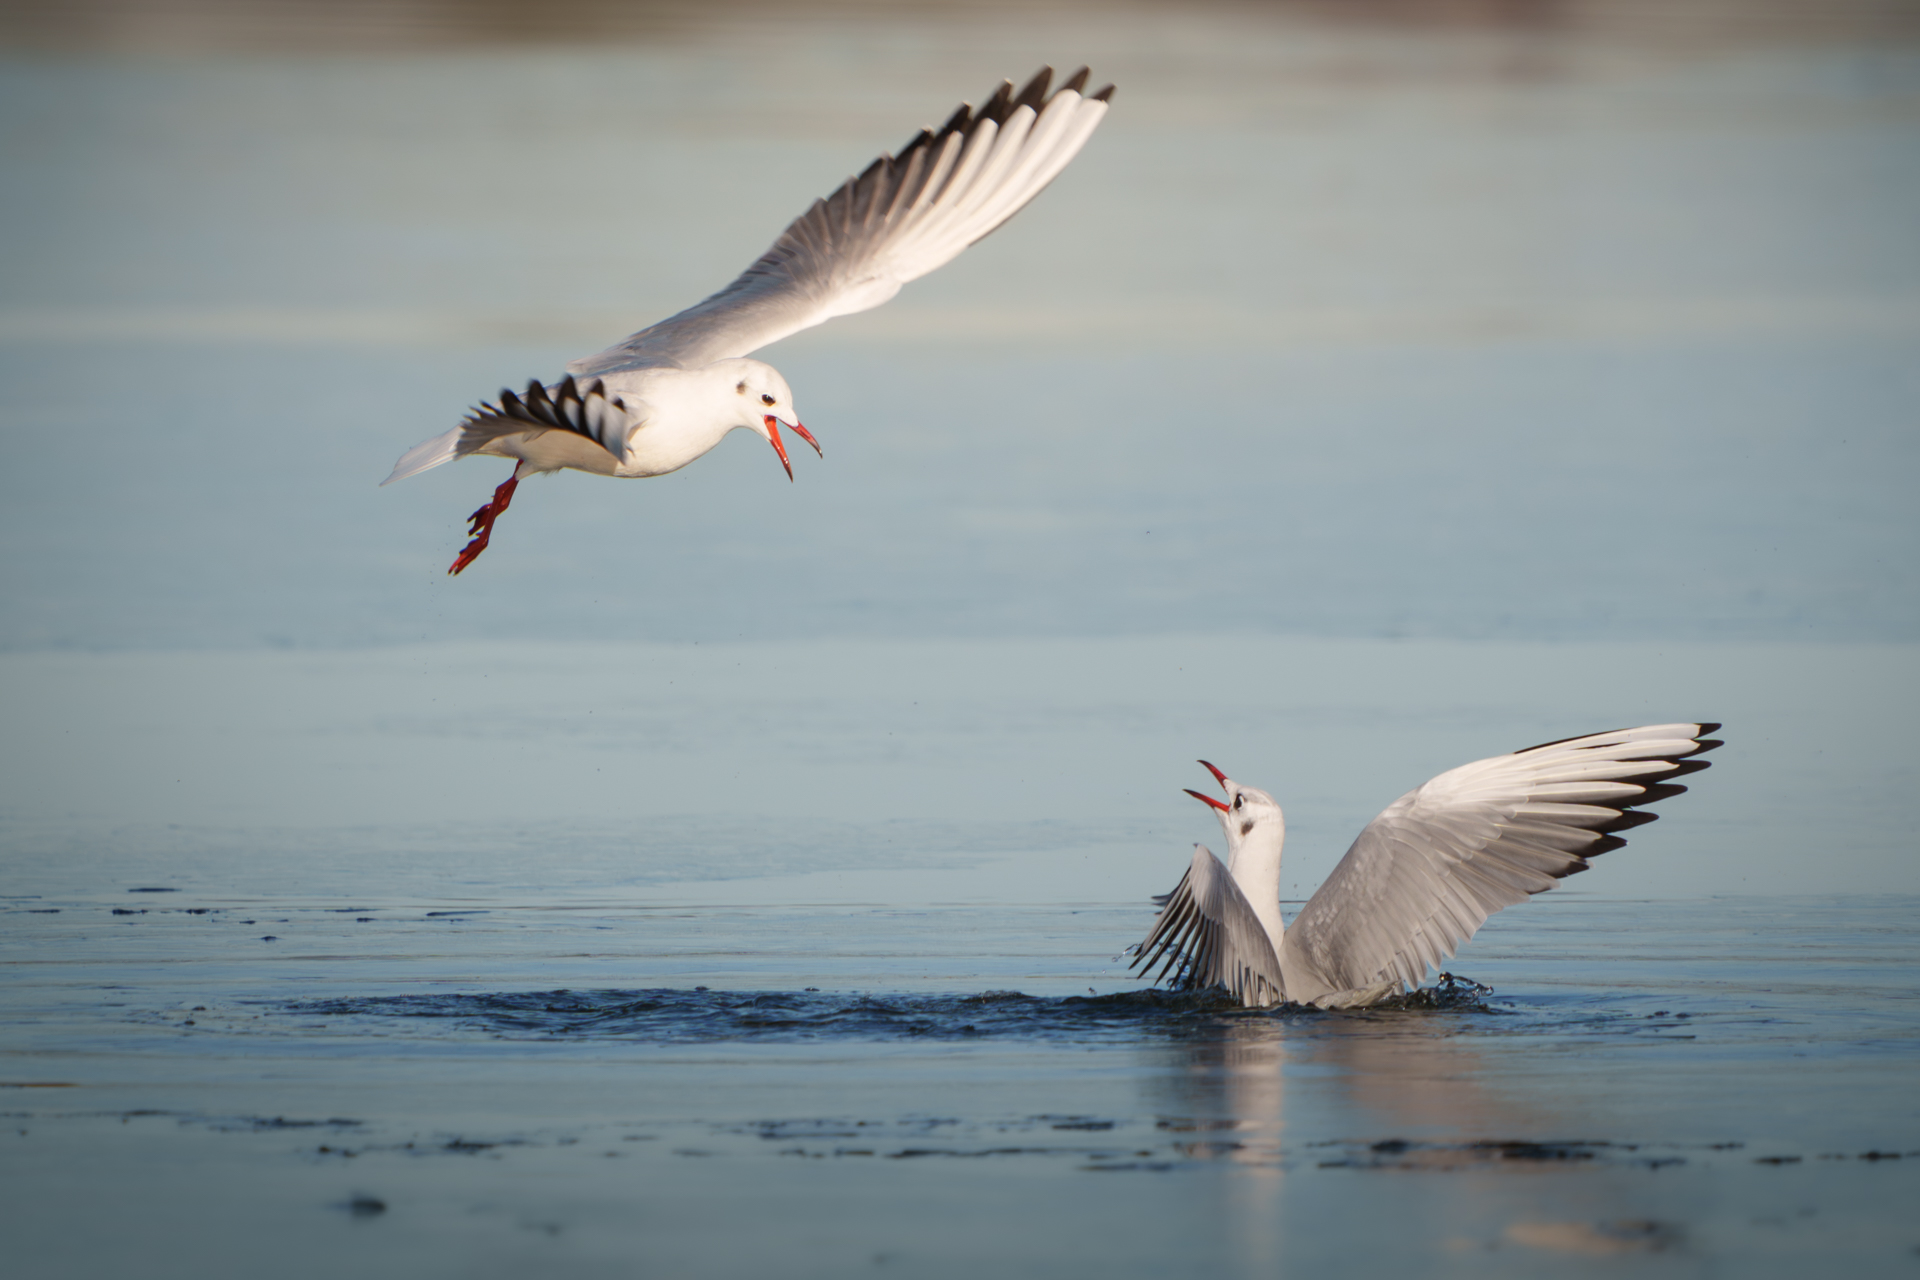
444, 447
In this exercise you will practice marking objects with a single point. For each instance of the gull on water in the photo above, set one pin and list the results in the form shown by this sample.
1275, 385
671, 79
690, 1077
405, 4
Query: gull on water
1421, 878
656, 401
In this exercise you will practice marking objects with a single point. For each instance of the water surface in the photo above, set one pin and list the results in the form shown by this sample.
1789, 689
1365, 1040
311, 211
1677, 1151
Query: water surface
1632, 1088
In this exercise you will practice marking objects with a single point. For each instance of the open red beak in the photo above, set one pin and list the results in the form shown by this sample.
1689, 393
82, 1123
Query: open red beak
773, 434
1219, 777
1220, 805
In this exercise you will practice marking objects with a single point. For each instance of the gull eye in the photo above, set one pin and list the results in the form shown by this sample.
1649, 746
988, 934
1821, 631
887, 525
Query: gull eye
766, 399
1237, 801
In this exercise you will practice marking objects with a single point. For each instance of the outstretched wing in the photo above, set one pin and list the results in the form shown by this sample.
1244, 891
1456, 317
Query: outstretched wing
1429, 870
901, 218
1208, 926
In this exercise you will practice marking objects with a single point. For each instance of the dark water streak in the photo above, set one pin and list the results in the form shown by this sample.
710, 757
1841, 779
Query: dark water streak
666, 1016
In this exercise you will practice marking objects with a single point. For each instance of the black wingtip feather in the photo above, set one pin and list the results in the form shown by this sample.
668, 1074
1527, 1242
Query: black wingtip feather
999, 106
1105, 95
914, 143
1077, 82
1654, 794
1684, 767
1628, 820
1035, 91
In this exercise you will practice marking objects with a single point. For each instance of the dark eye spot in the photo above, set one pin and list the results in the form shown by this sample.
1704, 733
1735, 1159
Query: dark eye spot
741, 388
766, 399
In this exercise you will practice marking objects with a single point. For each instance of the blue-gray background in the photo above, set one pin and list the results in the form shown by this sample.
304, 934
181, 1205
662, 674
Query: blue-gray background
1390, 383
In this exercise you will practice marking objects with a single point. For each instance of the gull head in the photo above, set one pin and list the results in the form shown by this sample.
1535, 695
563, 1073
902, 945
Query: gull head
1247, 812
761, 401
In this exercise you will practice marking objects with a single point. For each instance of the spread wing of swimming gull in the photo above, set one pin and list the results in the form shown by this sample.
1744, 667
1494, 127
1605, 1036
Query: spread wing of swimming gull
899, 219
1208, 926
1426, 873
1423, 876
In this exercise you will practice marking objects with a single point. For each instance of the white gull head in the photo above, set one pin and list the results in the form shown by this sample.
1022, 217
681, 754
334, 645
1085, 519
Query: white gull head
676, 415
1247, 813
1256, 833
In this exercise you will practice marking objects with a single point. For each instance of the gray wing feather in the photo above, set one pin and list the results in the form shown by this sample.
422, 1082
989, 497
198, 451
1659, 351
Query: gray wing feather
1207, 931
1426, 873
899, 219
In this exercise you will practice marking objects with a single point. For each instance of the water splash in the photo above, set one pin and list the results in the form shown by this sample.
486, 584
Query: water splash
672, 1016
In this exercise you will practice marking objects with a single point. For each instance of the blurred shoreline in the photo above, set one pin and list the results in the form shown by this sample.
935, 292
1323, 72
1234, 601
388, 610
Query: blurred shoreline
385, 26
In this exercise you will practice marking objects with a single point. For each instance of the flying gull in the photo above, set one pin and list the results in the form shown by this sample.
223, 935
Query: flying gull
656, 401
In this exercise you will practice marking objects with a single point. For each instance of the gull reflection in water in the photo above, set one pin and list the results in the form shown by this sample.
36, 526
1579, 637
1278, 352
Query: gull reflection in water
1373, 1095
1221, 1096
1366, 1078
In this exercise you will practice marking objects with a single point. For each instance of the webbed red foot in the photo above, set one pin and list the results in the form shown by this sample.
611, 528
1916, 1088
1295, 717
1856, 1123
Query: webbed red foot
480, 524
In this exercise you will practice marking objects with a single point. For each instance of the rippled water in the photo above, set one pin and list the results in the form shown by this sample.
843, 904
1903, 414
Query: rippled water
675, 1017
402, 1088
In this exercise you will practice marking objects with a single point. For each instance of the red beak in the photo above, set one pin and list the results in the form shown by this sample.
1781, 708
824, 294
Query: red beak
1220, 805
807, 435
1219, 777
773, 434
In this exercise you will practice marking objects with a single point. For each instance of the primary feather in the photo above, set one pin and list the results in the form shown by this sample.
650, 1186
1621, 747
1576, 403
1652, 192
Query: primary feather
902, 217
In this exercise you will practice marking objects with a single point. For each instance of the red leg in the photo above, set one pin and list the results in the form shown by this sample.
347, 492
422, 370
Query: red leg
480, 523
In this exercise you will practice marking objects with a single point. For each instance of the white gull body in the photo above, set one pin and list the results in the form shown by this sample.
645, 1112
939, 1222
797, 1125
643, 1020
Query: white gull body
1422, 877
669, 393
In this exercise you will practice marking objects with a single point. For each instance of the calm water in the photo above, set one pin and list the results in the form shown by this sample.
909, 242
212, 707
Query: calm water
729, 877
